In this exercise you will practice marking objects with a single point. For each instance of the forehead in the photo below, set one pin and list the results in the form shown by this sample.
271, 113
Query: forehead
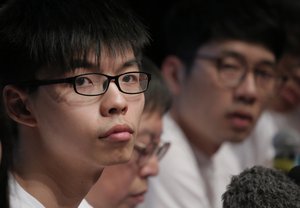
111, 61
253, 52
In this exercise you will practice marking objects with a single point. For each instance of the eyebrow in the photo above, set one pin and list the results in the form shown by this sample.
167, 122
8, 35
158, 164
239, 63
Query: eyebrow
131, 62
232, 53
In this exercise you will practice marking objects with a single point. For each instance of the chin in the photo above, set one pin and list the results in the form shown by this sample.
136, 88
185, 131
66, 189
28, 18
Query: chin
124, 159
239, 137
237, 140
124, 156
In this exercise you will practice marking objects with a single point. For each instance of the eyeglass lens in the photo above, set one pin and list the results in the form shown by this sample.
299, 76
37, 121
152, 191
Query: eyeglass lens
232, 69
97, 84
146, 152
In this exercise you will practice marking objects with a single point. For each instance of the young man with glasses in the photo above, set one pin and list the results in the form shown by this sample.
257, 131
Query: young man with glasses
220, 67
280, 123
72, 90
124, 185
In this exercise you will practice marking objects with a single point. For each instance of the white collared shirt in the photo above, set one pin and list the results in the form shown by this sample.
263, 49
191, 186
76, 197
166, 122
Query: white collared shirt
19, 198
187, 178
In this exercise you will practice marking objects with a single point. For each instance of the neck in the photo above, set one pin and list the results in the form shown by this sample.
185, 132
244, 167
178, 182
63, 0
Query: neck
208, 149
68, 191
54, 182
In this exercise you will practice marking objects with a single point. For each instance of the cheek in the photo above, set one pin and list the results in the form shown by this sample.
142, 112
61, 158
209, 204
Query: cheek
205, 104
135, 108
61, 125
119, 184
65, 118
203, 96
263, 102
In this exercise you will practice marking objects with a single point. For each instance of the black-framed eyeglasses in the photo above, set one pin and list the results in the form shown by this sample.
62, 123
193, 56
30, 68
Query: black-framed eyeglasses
145, 152
94, 84
232, 70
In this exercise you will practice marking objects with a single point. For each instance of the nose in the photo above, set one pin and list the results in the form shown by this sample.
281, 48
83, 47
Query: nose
247, 91
113, 101
151, 168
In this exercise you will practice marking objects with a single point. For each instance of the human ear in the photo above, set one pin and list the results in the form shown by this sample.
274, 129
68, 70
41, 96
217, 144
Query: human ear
173, 71
17, 106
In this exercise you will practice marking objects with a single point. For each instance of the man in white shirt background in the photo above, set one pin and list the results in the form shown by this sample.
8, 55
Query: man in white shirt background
220, 67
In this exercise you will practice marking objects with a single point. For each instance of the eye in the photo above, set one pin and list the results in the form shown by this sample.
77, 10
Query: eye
141, 149
230, 64
264, 73
83, 81
130, 78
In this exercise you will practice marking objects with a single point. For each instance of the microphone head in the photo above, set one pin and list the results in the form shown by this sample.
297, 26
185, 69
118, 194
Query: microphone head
260, 187
287, 149
287, 140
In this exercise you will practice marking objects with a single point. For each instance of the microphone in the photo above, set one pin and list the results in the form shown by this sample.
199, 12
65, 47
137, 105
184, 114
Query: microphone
287, 150
261, 187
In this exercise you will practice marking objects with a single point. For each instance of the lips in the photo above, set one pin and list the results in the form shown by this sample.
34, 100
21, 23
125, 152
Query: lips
118, 133
138, 198
240, 120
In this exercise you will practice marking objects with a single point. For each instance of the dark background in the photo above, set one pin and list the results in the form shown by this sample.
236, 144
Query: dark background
152, 13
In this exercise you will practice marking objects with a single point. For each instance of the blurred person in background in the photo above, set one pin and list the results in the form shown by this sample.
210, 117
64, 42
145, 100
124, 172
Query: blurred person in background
275, 142
220, 68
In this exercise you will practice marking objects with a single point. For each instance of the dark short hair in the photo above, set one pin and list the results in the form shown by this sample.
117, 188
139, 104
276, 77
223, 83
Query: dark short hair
192, 23
41, 33
261, 187
157, 97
